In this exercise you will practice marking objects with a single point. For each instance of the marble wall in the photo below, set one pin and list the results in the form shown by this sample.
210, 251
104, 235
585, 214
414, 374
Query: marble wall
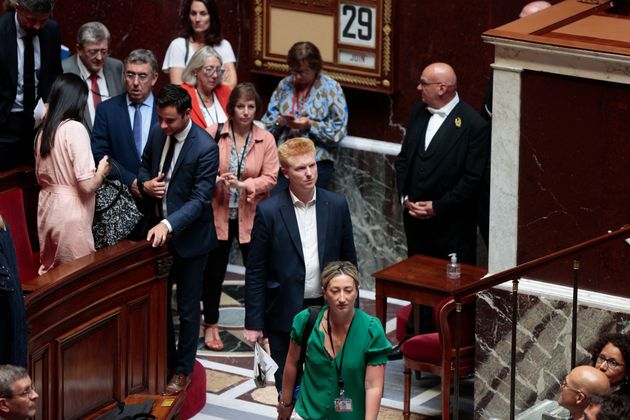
543, 347
367, 179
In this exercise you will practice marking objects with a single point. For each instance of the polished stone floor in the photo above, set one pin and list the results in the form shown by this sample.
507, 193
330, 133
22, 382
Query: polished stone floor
232, 394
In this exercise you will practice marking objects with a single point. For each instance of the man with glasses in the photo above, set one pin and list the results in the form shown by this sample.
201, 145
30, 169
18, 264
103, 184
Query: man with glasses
580, 384
30, 61
17, 396
438, 172
102, 73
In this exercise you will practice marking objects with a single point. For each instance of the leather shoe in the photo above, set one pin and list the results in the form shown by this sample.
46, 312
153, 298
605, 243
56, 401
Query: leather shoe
395, 353
178, 383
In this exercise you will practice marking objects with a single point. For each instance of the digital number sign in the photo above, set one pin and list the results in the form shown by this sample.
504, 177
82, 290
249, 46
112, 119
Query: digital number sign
355, 38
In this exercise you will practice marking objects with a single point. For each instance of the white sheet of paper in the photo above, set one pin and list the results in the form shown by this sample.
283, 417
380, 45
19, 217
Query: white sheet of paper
267, 363
39, 113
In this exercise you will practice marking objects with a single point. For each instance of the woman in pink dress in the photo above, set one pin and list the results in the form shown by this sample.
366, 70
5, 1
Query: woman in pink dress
67, 176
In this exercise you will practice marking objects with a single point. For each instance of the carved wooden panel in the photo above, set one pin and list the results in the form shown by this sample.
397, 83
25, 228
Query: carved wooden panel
90, 357
138, 342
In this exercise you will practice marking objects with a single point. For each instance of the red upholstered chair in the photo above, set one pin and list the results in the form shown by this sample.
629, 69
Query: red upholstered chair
402, 315
435, 352
12, 210
195, 398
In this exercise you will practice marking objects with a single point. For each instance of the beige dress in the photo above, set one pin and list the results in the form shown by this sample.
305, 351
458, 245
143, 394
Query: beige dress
64, 215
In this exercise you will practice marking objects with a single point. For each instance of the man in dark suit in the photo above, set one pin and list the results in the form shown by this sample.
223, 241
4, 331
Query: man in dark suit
296, 233
177, 175
29, 64
102, 73
439, 169
121, 126
438, 173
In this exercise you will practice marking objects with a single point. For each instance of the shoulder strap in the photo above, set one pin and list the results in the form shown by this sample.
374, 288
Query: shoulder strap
186, 56
313, 312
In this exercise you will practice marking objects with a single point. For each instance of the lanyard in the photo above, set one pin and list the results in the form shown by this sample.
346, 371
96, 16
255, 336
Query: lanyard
343, 349
243, 151
214, 106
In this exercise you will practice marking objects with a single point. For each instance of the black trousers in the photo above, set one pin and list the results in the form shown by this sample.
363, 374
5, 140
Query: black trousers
215, 273
187, 273
279, 346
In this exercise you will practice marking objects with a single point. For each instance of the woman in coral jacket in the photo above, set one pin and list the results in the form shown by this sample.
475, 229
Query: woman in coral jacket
203, 82
248, 169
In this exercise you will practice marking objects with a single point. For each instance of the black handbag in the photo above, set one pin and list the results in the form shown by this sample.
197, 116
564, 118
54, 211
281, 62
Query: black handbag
115, 213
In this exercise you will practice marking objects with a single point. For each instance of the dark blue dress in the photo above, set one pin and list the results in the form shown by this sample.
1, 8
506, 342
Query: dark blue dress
13, 335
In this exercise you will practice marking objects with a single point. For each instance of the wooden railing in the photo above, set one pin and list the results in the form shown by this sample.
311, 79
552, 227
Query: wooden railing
522, 271
97, 324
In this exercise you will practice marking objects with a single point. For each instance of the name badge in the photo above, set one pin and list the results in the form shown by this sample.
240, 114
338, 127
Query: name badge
343, 404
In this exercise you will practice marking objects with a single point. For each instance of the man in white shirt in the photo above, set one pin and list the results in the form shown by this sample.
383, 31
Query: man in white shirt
439, 168
103, 74
30, 61
296, 233
177, 176
438, 173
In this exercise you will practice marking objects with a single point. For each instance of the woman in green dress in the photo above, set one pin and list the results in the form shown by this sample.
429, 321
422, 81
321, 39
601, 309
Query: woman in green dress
346, 353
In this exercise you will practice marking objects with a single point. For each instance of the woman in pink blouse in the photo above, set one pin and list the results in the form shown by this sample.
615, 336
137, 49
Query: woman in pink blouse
66, 173
248, 169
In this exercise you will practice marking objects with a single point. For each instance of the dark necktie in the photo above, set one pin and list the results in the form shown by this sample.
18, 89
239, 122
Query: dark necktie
137, 129
166, 166
96, 92
169, 155
29, 75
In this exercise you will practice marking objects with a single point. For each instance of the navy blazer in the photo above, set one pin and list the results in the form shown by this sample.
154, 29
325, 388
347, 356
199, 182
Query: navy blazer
452, 167
274, 280
189, 190
50, 59
112, 135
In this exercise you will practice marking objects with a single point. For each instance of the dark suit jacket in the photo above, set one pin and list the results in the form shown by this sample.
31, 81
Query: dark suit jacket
113, 72
189, 190
50, 56
112, 135
453, 165
448, 173
274, 281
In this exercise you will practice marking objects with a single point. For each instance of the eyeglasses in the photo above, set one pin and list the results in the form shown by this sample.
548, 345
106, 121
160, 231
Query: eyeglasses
424, 83
26, 393
210, 70
94, 52
132, 76
612, 363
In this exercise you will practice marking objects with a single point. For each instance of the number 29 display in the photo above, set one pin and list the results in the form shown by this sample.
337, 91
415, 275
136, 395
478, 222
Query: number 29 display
355, 38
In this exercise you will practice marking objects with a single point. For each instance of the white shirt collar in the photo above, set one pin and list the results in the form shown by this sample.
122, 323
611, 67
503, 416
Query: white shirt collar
148, 101
21, 33
181, 136
85, 73
446, 109
296, 200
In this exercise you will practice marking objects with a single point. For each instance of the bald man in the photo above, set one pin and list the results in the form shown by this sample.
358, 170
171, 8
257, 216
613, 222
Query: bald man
439, 168
533, 7
579, 385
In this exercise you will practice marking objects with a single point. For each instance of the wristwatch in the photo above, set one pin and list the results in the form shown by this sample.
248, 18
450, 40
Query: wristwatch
283, 404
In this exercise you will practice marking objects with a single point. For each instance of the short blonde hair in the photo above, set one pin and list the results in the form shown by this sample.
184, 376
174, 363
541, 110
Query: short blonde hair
339, 268
294, 147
